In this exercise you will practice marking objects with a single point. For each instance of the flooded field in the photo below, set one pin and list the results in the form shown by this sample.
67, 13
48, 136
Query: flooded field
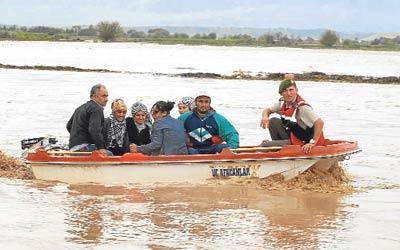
153, 58
37, 214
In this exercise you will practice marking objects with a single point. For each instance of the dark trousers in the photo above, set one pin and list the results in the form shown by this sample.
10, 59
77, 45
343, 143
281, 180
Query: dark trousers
279, 135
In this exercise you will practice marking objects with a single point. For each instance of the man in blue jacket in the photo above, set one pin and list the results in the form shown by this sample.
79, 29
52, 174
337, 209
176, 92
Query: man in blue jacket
208, 131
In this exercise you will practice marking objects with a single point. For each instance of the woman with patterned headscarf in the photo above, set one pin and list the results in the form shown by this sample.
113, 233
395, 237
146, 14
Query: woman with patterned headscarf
185, 104
139, 125
116, 134
168, 136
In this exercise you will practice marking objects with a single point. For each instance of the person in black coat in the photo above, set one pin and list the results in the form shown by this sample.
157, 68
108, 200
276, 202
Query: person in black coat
86, 124
139, 125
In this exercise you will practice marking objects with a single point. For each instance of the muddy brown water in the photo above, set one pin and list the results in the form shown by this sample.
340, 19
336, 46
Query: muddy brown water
38, 214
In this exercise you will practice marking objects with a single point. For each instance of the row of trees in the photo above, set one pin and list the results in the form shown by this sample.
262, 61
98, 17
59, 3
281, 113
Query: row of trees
386, 41
109, 31
329, 38
163, 33
106, 31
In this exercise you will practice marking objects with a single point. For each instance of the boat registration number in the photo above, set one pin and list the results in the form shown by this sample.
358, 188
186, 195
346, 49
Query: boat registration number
232, 169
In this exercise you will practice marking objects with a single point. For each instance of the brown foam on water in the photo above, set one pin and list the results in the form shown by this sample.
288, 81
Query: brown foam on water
333, 180
12, 167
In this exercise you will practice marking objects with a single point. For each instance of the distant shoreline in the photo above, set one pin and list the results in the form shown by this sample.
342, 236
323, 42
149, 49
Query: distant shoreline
113, 31
237, 75
219, 43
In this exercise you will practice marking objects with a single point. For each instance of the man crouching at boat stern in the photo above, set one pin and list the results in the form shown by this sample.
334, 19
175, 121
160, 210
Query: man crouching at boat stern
298, 124
208, 131
86, 124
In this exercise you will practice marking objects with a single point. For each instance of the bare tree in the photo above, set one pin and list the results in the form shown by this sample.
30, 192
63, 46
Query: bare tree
108, 31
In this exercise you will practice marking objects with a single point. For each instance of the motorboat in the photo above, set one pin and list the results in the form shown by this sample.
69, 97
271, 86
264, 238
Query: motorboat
230, 165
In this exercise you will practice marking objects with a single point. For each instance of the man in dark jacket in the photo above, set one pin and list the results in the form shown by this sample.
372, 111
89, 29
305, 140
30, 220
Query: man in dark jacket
86, 124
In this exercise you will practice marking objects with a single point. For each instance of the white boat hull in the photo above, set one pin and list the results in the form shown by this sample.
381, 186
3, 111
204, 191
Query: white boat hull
167, 173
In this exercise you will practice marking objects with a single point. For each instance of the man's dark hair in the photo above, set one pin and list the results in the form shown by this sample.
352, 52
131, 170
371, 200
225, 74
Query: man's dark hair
95, 89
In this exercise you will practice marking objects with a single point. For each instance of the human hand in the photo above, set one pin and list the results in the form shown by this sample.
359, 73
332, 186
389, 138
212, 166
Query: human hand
264, 122
307, 147
133, 148
103, 152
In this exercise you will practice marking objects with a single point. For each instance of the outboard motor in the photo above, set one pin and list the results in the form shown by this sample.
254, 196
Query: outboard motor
38, 141
45, 142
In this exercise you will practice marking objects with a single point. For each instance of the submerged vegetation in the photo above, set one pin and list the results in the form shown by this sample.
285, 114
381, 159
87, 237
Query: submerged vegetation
113, 32
236, 75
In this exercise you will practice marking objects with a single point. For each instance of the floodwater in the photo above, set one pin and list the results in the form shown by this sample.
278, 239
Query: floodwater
43, 215
137, 57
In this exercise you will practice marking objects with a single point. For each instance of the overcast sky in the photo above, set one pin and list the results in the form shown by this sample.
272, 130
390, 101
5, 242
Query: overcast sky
340, 15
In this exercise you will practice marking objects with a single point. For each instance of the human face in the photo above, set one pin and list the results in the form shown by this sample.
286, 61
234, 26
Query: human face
119, 114
139, 117
203, 104
289, 94
101, 97
157, 114
183, 108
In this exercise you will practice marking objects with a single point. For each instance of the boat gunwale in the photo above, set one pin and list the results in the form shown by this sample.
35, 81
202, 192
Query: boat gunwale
238, 160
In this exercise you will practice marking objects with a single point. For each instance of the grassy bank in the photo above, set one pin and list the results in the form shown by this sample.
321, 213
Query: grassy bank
238, 42
29, 36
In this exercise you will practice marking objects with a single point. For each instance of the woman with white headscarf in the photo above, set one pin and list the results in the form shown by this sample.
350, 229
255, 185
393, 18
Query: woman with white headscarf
185, 104
115, 129
139, 125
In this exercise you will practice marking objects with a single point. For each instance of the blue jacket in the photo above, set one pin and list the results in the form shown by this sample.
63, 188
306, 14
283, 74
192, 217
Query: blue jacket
201, 130
167, 138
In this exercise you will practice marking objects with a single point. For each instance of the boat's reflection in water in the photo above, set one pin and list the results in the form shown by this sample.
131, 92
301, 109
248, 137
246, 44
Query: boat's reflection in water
201, 216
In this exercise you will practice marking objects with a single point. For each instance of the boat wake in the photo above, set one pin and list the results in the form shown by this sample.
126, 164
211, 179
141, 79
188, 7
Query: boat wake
333, 180
12, 167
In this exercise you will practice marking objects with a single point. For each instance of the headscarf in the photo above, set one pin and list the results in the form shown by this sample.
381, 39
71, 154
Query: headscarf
118, 104
188, 101
116, 132
138, 106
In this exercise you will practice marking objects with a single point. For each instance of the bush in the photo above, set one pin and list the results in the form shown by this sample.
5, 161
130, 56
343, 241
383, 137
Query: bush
329, 38
266, 39
180, 35
108, 31
90, 31
158, 33
4, 34
211, 36
135, 34
45, 29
